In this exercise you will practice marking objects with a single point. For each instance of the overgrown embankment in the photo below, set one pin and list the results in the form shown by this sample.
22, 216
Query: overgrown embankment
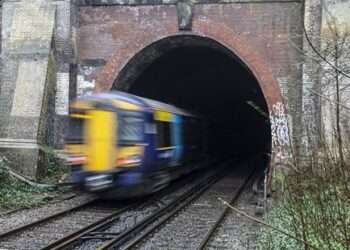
314, 207
18, 192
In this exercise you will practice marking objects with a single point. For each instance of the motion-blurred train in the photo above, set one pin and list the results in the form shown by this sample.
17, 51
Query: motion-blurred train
120, 145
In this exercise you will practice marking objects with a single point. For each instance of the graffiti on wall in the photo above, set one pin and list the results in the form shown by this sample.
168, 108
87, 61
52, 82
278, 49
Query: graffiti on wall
86, 80
279, 132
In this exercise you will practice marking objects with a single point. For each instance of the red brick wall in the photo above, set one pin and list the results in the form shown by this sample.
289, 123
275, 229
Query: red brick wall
258, 33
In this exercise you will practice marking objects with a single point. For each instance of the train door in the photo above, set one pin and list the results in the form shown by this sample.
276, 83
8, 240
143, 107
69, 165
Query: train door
165, 146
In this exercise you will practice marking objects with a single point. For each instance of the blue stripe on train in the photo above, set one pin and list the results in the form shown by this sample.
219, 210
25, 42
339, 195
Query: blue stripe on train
178, 142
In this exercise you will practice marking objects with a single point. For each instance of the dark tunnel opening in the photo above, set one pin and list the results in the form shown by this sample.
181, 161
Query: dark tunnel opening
202, 76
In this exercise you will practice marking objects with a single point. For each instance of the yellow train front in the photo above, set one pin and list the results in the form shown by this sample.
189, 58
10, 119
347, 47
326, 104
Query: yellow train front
120, 145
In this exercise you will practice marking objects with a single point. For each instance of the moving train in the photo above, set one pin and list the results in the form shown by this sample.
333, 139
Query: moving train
121, 145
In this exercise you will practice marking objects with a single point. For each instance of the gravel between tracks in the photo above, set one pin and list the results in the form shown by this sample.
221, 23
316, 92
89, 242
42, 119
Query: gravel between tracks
11, 221
40, 236
187, 230
236, 231
130, 218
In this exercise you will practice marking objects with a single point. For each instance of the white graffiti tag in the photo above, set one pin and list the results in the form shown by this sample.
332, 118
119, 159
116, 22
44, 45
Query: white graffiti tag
279, 126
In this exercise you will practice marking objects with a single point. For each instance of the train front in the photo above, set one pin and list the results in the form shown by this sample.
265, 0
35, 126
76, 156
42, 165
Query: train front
105, 147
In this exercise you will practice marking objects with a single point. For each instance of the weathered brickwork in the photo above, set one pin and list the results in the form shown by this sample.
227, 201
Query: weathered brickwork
105, 32
93, 41
65, 56
262, 35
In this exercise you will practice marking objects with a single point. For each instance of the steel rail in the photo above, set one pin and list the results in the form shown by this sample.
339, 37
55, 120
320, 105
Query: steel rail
172, 208
98, 225
161, 222
225, 211
45, 219
165, 219
74, 237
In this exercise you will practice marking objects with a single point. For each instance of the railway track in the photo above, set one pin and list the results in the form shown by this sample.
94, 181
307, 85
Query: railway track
222, 214
44, 219
141, 231
77, 224
39, 233
110, 231
191, 224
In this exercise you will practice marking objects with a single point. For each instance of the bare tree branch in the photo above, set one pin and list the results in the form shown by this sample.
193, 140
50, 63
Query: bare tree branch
265, 224
321, 56
328, 99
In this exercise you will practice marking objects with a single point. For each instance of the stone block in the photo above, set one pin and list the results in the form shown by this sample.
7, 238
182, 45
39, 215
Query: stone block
28, 83
29, 89
24, 156
31, 27
185, 15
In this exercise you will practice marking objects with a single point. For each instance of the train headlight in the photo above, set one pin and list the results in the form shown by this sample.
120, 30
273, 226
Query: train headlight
133, 160
75, 160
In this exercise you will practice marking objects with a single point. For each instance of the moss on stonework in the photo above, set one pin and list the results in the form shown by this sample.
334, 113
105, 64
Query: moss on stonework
55, 170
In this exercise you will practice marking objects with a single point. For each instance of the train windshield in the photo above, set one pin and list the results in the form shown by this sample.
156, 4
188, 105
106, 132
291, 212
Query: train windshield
75, 130
131, 126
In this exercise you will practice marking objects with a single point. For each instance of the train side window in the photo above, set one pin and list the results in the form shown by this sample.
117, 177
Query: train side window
130, 127
163, 134
75, 130
150, 128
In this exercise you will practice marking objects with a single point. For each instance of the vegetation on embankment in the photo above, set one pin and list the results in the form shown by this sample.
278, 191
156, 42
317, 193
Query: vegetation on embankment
16, 193
314, 207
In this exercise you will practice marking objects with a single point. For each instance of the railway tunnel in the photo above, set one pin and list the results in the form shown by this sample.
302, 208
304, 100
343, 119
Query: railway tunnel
203, 76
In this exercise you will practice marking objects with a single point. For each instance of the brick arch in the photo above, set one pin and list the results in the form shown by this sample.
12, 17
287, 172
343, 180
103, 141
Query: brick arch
218, 32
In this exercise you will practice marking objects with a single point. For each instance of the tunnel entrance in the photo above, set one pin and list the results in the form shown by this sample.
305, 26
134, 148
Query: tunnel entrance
203, 76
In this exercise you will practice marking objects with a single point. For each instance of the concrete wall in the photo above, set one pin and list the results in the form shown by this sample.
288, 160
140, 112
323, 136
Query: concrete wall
28, 78
339, 11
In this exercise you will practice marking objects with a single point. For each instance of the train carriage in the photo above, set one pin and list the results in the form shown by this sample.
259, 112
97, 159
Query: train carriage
120, 145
